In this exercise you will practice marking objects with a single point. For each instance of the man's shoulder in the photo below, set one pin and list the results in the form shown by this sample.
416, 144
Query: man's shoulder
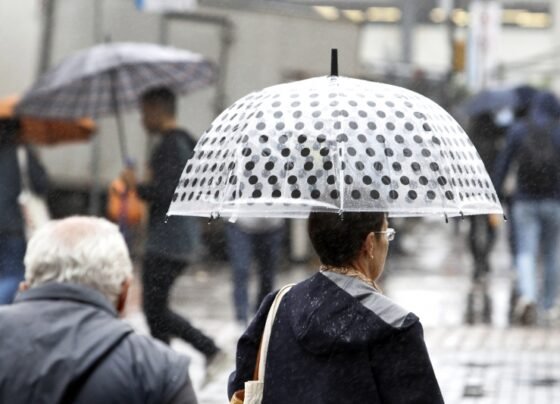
147, 351
154, 364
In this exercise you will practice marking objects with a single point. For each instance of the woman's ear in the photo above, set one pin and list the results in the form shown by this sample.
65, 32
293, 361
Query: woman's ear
369, 244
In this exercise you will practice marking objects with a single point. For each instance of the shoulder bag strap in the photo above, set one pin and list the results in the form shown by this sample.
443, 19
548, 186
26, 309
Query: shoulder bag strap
263, 351
23, 165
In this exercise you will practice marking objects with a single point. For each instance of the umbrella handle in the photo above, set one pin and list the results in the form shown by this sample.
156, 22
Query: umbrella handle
334, 62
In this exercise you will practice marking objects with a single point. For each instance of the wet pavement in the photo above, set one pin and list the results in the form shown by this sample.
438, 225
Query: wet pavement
484, 363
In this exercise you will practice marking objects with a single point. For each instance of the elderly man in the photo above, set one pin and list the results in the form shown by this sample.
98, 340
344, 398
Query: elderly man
62, 340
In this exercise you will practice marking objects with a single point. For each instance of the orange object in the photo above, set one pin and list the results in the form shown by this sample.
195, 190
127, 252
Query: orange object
124, 206
47, 131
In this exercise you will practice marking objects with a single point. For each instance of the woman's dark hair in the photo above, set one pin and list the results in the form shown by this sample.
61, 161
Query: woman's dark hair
337, 238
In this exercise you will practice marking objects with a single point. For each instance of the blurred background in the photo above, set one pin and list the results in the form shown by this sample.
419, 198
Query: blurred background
448, 50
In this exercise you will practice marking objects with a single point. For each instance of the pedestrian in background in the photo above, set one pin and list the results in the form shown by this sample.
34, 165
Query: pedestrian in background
62, 340
171, 242
258, 239
12, 225
487, 132
534, 144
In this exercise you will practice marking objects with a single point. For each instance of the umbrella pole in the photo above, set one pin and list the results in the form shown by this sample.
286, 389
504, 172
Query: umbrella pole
120, 125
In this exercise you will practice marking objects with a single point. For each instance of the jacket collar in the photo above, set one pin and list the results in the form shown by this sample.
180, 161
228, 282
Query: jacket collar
67, 291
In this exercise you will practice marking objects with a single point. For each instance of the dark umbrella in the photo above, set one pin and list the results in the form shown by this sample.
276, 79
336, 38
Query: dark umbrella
109, 78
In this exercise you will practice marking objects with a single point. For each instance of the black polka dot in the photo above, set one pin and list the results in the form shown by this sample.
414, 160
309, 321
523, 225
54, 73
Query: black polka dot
292, 179
449, 195
257, 193
296, 193
393, 194
302, 139
386, 180
334, 194
389, 152
311, 180
405, 180
331, 179
308, 166
348, 179
370, 152
423, 180
380, 138
412, 195
431, 195
366, 179
399, 139
378, 166
356, 194
327, 165
315, 194
374, 194
407, 152
434, 166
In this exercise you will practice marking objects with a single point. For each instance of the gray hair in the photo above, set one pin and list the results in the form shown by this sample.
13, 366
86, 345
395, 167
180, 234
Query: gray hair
84, 250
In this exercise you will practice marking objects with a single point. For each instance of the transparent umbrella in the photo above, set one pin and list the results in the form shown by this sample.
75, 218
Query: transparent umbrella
334, 144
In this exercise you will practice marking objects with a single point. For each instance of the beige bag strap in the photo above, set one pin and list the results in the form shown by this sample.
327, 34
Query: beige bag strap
263, 352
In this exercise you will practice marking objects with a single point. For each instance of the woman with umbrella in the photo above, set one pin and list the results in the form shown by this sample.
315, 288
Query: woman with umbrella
344, 153
341, 339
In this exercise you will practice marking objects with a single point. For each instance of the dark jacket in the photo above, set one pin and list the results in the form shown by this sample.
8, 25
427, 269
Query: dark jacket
11, 221
63, 343
174, 237
337, 340
544, 113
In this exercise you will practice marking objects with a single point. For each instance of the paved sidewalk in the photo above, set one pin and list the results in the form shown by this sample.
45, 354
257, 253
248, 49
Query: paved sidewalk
478, 364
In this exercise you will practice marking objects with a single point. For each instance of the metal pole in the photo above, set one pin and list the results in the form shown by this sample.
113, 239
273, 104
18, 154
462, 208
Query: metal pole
47, 32
408, 23
94, 207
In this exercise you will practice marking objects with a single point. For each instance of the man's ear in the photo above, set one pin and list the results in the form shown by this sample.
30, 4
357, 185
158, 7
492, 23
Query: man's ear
121, 300
23, 286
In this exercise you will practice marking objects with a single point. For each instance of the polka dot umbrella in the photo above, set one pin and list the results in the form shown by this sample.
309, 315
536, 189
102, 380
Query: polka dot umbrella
334, 144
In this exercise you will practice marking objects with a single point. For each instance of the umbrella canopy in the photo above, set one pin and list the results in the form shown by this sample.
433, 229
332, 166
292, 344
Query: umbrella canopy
491, 101
47, 131
110, 77
334, 144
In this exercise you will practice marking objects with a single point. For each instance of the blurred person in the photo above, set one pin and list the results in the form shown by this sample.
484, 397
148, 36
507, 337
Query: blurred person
247, 239
62, 340
12, 225
171, 241
336, 338
534, 144
487, 130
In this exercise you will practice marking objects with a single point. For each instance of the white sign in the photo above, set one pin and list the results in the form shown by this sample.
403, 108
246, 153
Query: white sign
166, 5
485, 22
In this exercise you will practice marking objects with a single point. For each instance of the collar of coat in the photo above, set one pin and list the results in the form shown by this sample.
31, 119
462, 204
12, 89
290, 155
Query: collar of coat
67, 291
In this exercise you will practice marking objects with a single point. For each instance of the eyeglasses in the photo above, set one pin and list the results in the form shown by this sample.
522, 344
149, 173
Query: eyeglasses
389, 233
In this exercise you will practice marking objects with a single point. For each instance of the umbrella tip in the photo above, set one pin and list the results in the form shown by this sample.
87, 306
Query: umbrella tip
334, 62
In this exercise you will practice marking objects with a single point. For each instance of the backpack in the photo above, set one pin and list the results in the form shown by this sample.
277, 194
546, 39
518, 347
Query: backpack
539, 162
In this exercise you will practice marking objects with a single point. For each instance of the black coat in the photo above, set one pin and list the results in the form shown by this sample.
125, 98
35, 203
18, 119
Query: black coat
63, 343
173, 237
336, 340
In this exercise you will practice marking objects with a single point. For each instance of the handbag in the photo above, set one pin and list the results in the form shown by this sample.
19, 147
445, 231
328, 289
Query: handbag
33, 207
253, 392
124, 206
